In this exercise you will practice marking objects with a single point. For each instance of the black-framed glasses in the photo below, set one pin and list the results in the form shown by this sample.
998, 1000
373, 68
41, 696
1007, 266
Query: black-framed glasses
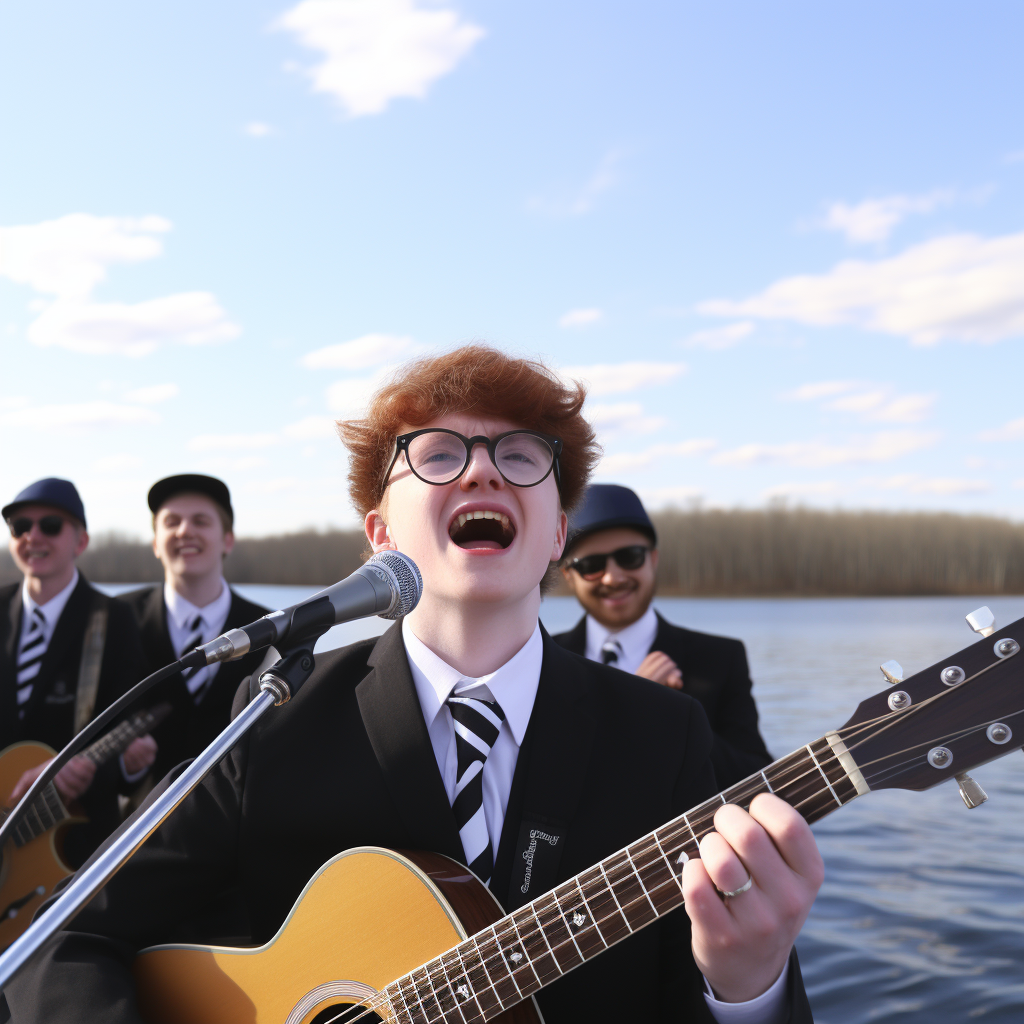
524, 458
630, 557
50, 524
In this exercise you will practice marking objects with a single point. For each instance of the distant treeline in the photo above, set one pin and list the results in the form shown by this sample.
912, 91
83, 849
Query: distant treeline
772, 551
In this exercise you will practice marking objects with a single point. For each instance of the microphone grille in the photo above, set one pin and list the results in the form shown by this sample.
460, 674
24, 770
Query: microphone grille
407, 579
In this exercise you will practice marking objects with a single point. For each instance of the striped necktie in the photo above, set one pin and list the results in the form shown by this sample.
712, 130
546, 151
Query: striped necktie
30, 657
611, 651
195, 678
477, 724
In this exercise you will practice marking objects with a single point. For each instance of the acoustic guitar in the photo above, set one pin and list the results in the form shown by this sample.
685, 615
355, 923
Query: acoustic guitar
31, 863
413, 938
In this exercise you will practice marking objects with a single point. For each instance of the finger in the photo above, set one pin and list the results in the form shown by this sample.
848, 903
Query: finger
723, 864
704, 905
791, 836
675, 680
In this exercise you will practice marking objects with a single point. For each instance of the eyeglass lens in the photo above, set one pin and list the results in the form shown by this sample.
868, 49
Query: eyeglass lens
439, 457
631, 557
50, 525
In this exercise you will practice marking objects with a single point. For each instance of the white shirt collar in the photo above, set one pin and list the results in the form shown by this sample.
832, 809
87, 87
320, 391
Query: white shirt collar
635, 639
183, 611
513, 685
53, 608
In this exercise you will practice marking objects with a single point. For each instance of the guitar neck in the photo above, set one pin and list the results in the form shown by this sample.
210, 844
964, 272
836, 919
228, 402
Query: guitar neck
120, 737
538, 943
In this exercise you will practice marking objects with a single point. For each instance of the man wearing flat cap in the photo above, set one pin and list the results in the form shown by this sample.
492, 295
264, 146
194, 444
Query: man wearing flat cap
610, 561
66, 653
193, 532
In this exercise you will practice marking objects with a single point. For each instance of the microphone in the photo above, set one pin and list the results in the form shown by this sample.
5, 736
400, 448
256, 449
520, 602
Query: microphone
388, 585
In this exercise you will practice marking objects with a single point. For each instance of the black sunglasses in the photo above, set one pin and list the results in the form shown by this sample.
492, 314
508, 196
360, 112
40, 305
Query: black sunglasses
50, 525
629, 557
438, 456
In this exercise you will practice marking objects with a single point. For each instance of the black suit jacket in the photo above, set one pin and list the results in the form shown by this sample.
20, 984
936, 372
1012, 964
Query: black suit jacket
50, 712
190, 727
347, 762
715, 672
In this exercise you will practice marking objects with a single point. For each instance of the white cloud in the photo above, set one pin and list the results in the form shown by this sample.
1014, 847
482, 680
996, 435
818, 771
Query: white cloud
875, 403
349, 397
8, 402
190, 318
915, 484
616, 378
69, 256
958, 286
258, 129
1015, 158
669, 497
622, 417
822, 389
1012, 431
811, 489
375, 51
311, 428
231, 442
361, 353
117, 463
718, 338
78, 414
581, 317
876, 448
629, 462
153, 394
582, 199
872, 220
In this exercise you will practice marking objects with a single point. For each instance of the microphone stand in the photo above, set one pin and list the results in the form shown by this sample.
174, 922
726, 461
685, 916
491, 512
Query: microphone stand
278, 684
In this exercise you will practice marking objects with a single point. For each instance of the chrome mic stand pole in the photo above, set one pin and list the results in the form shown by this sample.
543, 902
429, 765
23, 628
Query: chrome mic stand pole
277, 685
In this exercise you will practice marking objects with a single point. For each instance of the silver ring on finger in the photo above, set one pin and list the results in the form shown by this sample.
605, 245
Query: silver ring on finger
736, 892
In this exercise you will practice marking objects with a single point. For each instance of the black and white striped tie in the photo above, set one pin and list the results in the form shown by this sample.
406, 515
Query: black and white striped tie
195, 678
30, 657
611, 651
477, 724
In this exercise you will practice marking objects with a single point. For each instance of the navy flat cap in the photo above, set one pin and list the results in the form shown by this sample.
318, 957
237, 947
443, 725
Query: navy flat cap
191, 483
50, 491
607, 507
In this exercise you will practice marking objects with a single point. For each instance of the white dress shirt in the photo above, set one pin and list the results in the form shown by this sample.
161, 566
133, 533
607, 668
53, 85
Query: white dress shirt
52, 610
181, 613
514, 687
634, 641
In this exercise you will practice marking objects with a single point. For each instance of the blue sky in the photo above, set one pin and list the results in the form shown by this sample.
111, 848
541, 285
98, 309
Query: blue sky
783, 243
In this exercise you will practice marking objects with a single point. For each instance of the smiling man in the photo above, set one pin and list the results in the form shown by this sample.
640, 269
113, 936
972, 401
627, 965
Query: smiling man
465, 730
611, 564
49, 691
193, 532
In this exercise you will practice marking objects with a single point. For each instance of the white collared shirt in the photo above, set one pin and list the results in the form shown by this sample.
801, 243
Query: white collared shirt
634, 641
52, 610
514, 687
181, 613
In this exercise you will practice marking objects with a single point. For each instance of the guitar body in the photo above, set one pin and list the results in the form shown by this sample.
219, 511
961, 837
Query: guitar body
30, 872
368, 917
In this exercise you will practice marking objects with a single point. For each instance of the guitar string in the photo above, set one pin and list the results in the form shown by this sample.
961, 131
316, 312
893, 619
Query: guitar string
534, 931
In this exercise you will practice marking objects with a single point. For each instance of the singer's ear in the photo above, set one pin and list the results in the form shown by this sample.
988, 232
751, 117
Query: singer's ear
377, 533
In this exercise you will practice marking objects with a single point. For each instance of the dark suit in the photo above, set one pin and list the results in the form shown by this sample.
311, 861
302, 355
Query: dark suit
715, 672
50, 711
347, 762
190, 727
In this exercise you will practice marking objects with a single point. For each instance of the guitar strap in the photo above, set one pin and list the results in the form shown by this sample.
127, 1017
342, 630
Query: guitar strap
89, 668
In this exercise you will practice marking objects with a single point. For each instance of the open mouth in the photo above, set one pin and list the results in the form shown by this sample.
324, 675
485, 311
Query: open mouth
483, 529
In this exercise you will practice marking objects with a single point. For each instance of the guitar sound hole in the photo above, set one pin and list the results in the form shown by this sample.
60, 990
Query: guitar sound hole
344, 1013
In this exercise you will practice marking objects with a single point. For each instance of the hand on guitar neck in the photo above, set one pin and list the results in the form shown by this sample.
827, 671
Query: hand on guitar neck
75, 778
741, 943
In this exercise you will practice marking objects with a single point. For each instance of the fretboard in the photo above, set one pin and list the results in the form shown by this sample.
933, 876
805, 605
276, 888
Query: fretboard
538, 943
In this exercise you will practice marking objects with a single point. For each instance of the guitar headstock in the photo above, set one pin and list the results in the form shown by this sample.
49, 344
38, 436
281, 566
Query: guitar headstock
940, 723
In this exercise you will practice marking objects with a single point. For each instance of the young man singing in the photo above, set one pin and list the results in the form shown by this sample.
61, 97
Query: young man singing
466, 463
193, 524
611, 562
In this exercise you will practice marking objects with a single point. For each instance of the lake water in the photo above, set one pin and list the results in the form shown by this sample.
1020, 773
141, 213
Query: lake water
921, 917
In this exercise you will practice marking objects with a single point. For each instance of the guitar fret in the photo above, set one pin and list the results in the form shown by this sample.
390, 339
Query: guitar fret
414, 1007
628, 892
427, 996
660, 885
677, 879
524, 961
579, 920
824, 776
589, 915
540, 954
640, 880
696, 841
480, 982
392, 993
611, 889
461, 986
560, 936
504, 985
443, 993
608, 918
767, 783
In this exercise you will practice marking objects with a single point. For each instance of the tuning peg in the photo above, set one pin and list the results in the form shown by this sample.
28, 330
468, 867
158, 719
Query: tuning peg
972, 793
982, 621
893, 672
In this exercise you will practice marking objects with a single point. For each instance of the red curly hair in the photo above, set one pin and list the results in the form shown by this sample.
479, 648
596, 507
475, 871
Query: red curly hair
472, 379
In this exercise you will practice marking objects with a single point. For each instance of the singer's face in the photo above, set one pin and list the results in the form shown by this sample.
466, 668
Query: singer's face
189, 538
498, 557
